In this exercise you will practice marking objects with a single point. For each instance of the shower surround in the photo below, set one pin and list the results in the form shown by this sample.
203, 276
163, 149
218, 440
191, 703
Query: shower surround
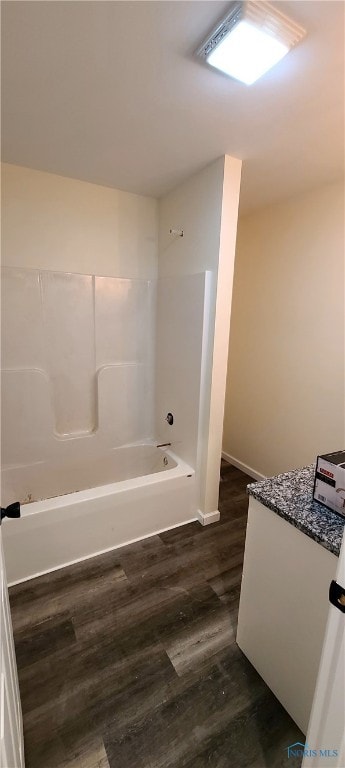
109, 322
77, 360
79, 365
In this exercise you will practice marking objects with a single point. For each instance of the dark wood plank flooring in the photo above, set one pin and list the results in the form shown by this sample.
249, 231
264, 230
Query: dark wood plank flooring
129, 660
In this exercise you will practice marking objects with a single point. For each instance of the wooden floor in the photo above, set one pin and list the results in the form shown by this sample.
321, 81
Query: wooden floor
129, 659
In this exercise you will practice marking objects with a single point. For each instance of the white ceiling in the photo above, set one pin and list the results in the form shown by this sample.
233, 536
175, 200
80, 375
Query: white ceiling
110, 92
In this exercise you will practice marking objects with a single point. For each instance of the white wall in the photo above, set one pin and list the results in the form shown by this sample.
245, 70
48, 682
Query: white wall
285, 389
205, 207
51, 222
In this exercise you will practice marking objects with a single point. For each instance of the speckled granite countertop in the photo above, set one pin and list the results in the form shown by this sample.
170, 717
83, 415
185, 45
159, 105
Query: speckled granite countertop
290, 495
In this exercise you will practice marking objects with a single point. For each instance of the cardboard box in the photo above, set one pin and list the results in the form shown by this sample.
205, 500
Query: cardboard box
329, 484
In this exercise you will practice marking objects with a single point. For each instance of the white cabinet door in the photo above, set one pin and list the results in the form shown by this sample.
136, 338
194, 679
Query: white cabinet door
11, 727
326, 732
284, 608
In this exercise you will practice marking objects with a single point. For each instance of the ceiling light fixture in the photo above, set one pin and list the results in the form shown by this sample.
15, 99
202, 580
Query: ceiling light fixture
250, 40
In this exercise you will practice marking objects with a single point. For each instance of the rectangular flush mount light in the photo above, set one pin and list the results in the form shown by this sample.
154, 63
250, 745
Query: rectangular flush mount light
250, 40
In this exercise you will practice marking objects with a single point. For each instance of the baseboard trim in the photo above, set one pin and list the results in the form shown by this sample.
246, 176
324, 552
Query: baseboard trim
206, 518
243, 467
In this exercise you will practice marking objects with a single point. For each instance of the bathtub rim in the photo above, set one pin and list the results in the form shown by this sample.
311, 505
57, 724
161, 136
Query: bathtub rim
180, 478
78, 497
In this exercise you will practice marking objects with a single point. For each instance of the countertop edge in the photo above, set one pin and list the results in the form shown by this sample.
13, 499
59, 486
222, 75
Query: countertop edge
290, 496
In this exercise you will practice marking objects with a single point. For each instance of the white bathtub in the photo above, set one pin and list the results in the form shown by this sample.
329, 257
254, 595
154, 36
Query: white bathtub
135, 492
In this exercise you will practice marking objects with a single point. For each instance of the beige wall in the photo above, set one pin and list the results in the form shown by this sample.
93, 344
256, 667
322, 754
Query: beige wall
285, 386
52, 222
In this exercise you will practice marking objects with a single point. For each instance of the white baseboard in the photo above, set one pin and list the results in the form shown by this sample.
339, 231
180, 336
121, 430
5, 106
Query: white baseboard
244, 467
206, 518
